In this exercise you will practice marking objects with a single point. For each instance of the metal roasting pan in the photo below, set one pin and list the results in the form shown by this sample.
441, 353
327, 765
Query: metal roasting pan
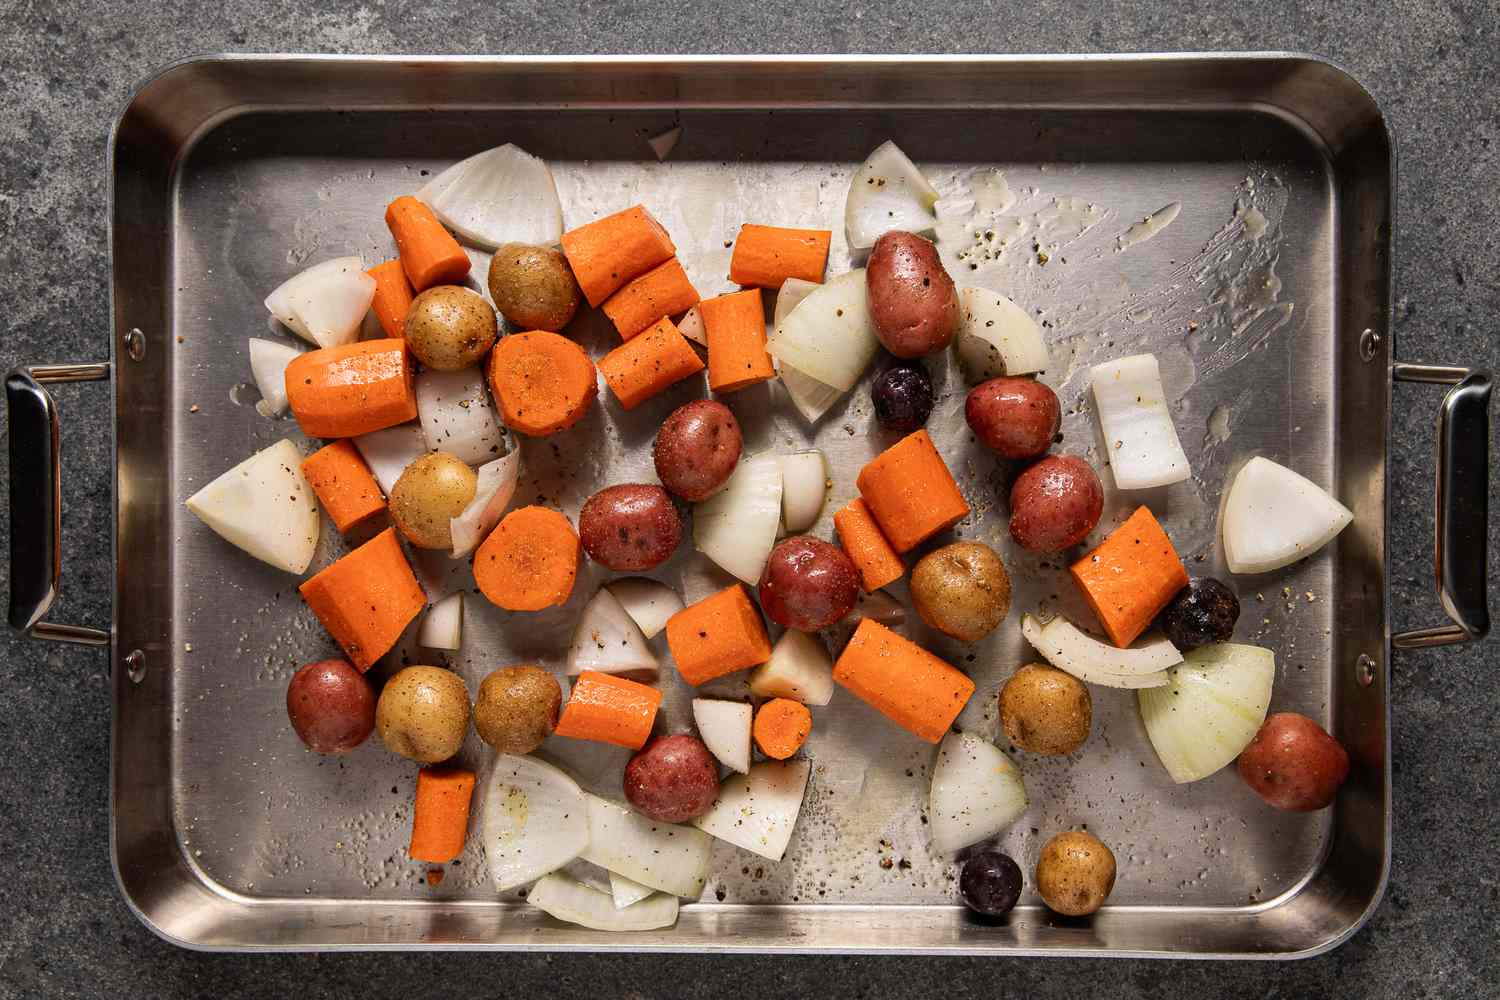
1267, 300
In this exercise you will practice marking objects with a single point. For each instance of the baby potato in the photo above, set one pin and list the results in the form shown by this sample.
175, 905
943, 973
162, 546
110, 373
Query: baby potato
1046, 710
1075, 873
517, 708
431, 491
961, 590
913, 302
448, 328
423, 714
533, 287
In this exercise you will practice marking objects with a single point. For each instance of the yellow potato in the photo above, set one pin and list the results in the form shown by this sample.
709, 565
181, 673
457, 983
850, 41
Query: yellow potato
431, 491
1075, 873
448, 328
517, 708
961, 590
423, 714
533, 287
1045, 710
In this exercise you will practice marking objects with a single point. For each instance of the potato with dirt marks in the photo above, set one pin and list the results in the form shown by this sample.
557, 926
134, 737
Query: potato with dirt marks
423, 714
672, 780
630, 527
449, 327
913, 302
430, 492
1016, 418
1055, 503
808, 584
517, 708
1294, 764
962, 590
533, 287
1045, 710
331, 706
697, 449
1075, 873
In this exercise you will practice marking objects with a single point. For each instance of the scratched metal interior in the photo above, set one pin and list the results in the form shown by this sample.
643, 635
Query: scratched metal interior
1236, 296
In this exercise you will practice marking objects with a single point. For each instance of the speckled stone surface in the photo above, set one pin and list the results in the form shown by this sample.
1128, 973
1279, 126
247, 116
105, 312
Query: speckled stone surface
69, 68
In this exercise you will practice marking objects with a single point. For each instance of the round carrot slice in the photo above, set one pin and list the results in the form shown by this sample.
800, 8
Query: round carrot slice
543, 382
781, 727
530, 560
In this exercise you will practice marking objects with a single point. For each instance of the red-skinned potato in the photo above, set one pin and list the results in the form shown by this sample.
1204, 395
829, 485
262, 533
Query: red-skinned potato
808, 584
913, 303
1013, 417
673, 779
630, 527
697, 449
331, 706
1055, 503
1294, 764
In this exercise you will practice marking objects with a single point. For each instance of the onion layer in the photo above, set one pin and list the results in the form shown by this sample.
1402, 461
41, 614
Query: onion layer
758, 811
268, 361
649, 603
1066, 647
492, 494
976, 792
608, 641
1210, 709
828, 335
736, 527
534, 820
887, 192
444, 624
388, 452
804, 484
566, 899
724, 727
502, 195
457, 416
1273, 517
326, 303
1140, 439
996, 337
664, 856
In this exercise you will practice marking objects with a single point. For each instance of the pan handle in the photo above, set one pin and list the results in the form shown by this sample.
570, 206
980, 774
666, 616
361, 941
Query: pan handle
36, 500
1462, 498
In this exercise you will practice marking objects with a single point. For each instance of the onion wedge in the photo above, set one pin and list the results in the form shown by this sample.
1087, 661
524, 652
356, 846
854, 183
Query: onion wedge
828, 336
664, 856
1068, 648
736, 527
388, 452
1141, 441
724, 727
624, 892
492, 494
887, 192
799, 668
264, 507
566, 899
758, 811
649, 603
996, 337
326, 303
976, 792
1210, 709
457, 416
608, 641
804, 484
443, 628
811, 397
1273, 517
502, 195
268, 361
534, 820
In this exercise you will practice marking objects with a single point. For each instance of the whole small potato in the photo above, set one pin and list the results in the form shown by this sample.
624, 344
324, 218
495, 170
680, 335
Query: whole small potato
1013, 417
423, 714
913, 303
808, 584
1294, 764
431, 491
449, 327
533, 287
697, 449
633, 526
1046, 710
1075, 873
517, 708
673, 779
961, 590
1055, 503
331, 706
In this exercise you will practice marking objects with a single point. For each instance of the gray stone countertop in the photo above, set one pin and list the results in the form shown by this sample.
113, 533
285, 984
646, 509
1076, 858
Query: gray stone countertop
69, 68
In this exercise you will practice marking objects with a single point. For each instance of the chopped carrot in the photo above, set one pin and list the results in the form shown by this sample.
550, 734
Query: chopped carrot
649, 363
366, 599
768, 255
781, 727
543, 381
343, 484
736, 329
339, 392
429, 253
609, 709
440, 815
1131, 576
608, 252
530, 560
902, 681
867, 546
393, 297
662, 291
910, 492
716, 636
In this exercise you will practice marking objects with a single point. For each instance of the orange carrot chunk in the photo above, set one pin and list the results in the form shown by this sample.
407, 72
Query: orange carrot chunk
341, 479
609, 709
543, 381
440, 815
393, 297
339, 392
781, 727
530, 560
649, 363
768, 255
902, 681
662, 291
366, 599
736, 328
910, 492
429, 253
1131, 576
867, 547
607, 253
717, 636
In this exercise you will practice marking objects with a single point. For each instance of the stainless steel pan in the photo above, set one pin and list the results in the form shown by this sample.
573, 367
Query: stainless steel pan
1268, 301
